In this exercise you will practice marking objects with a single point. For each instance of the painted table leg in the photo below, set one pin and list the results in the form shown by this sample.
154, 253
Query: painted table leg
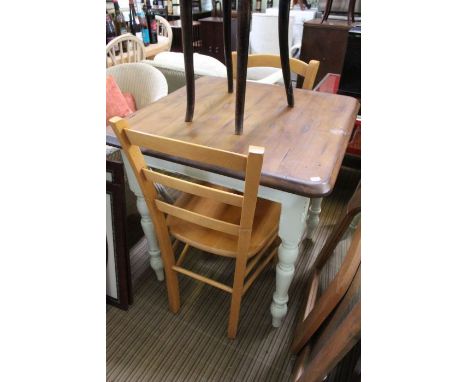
283, 31
243, 31
227, 42
292, 225
187, 44
146, 223
314, 215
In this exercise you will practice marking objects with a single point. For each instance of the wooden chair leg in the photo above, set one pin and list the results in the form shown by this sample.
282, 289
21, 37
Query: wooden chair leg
237, 291
326, 13
187, 44
243, 31
167, 254
283, 31
351, 6
227, 42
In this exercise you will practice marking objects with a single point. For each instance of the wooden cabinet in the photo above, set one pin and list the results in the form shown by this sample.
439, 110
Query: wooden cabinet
211, 34
326, 43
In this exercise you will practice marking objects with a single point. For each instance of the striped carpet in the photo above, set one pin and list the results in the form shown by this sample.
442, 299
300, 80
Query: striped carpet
148, 343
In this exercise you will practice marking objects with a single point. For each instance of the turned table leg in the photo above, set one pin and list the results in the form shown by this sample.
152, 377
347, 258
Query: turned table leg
243, 31
292, 225
283, 31
227, 42
314, 215
187, 46
146, 223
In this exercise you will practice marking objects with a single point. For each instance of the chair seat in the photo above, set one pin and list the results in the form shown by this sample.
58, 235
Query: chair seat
265, 225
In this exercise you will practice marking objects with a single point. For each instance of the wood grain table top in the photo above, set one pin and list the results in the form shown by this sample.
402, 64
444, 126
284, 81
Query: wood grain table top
304, 145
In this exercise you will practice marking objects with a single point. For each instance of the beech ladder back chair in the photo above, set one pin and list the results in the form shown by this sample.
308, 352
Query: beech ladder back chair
308, 71
115, 54
318, 309
216, 220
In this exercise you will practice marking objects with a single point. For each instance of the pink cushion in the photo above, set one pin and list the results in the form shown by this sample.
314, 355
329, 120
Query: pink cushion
130, 101
116, 104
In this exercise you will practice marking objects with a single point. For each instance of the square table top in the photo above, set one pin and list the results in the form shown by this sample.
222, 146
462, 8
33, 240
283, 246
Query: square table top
304, 145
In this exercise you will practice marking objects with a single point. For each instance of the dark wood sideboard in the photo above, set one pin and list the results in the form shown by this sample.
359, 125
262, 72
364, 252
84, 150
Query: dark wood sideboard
211, 34
326, 43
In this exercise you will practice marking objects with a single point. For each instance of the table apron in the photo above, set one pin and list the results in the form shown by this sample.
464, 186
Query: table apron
285, 198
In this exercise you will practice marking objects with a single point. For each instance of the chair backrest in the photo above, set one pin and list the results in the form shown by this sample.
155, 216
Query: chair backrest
164, 30
264, 33
308, 71
339, 334
115, 54
146, 83
318, 308
250, 165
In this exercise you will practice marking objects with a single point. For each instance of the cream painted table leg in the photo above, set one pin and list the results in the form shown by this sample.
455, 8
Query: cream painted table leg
292, 224
314, 216
146, 223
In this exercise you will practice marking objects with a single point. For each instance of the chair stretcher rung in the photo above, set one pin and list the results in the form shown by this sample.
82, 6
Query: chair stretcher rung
202, 278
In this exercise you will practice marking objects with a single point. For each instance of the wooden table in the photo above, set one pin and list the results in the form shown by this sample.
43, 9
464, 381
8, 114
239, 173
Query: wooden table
304, 148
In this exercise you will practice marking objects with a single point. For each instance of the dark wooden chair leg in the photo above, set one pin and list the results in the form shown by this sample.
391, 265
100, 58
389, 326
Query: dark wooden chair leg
327, 11
283, 30
187, 45
227, 42
351, 6
243, 31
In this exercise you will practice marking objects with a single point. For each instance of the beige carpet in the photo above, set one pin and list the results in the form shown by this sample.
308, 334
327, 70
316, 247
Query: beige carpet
148, 343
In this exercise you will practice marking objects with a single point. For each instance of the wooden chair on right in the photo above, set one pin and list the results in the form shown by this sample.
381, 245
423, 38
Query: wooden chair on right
308, 71
330, 325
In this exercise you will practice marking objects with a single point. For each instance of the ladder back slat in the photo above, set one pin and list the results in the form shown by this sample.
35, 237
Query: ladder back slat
193, 217
191, 151
194, 188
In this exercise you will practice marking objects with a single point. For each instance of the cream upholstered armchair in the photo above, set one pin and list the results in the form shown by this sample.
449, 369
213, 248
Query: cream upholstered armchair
171, 64
147, 84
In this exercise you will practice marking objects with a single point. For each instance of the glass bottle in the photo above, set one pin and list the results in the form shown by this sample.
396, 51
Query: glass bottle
152, 22
258, 6
134, 21
119, 19
143, 23
110, 29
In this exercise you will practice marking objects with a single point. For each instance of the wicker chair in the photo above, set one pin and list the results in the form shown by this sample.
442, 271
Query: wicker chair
147, 84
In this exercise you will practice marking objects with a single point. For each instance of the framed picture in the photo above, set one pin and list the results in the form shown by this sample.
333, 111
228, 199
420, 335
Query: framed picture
118, 278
